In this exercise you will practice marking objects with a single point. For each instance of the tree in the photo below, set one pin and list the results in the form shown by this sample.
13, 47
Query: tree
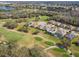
37, 51
10, 25
22, 52
35, 32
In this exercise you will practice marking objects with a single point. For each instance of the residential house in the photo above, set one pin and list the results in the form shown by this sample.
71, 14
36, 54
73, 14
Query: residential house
42, 25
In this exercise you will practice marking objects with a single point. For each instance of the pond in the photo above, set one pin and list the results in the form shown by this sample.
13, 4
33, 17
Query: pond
6, 8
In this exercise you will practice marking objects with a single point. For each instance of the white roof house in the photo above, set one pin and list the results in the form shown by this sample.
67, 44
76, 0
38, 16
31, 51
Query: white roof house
53, 22
75, 33
58, 23
48, 27
34, 24
77, 29
61, 31
30, 23
42, 25
72, 27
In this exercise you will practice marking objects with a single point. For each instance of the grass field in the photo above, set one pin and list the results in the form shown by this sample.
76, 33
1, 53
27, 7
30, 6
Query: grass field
41, 18
44, 18
11, 36
22, 39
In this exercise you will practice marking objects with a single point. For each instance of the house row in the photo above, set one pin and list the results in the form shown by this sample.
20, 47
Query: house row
51, 27
65, 26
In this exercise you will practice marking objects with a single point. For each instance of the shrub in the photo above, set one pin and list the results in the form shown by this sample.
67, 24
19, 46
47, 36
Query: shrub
38, 38
59, 50
37, 51
21, 20
35, 32
23, 29
10, 25
22, 52
49, 43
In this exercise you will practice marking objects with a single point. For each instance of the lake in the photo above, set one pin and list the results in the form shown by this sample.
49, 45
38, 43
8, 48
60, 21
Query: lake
6, 8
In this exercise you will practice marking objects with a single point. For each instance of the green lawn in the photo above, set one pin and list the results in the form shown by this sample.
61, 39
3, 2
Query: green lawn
44, 18
30, 19
11, 36
59, 52
21, 39
59, 49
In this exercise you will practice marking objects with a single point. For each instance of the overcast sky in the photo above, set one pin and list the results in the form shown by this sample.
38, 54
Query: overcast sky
39, 0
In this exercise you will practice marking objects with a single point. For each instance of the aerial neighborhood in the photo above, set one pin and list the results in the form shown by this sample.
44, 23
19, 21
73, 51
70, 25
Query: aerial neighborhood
39, 29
